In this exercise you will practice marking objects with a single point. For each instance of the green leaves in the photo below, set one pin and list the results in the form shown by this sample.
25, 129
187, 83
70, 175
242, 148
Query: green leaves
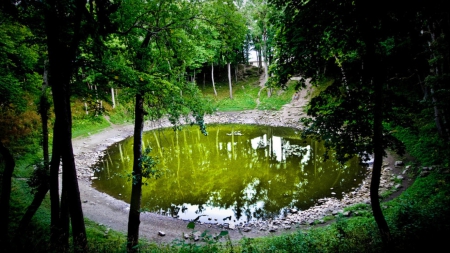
148, 165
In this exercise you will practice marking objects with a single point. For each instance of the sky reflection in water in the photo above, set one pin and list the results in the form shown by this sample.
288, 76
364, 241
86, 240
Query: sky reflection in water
237, 173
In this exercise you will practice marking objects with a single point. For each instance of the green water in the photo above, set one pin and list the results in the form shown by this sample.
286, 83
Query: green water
247, 172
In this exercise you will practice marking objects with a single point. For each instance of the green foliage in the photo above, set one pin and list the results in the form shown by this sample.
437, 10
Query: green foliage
148, 165
18, 58
424, 144
39, 177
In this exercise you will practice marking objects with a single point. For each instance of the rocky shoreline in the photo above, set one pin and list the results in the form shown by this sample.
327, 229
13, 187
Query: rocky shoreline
161, 228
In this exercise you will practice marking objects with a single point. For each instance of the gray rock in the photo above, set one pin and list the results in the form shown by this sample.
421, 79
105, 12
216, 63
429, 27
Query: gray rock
273, 229
247, 229
400, 177
399, 163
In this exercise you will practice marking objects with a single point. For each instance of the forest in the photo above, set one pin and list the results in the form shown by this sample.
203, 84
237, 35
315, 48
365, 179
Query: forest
379, 75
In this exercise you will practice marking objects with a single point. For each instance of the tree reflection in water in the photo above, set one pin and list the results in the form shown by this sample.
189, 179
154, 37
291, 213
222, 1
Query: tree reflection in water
245, 172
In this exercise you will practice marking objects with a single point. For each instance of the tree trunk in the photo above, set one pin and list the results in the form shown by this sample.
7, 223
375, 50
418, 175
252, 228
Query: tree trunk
212, 79
260, 59
378, 160
112, 98
62, 51
229, 80
70, 181
236, 70
42, 190
64, 221
136, 188
44, 107
54, 186
6, 194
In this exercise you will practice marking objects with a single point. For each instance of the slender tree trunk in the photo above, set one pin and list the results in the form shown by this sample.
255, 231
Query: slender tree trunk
70, 181
112, 98
212, 79
54, 186
260, 59
6, 194
378, 160
42, 190
136, 188
44, 112
229, 80
97, 102
236, 70
61, 56
64, 220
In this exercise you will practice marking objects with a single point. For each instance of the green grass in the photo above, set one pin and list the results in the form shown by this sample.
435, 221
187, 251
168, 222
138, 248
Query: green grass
244, 95
278, 98
89, 125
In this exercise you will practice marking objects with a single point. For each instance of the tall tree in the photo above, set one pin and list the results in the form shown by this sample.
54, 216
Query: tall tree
362, 46
156, 44
63, 24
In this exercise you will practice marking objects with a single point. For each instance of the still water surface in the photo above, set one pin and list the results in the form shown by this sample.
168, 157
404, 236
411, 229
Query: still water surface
237, 173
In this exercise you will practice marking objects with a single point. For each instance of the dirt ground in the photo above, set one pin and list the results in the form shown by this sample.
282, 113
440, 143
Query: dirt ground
112, 213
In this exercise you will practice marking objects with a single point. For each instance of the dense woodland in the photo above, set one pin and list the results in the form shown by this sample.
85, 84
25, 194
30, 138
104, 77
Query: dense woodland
380, 73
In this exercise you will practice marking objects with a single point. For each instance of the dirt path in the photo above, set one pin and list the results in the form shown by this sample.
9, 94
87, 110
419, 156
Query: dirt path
113, 213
